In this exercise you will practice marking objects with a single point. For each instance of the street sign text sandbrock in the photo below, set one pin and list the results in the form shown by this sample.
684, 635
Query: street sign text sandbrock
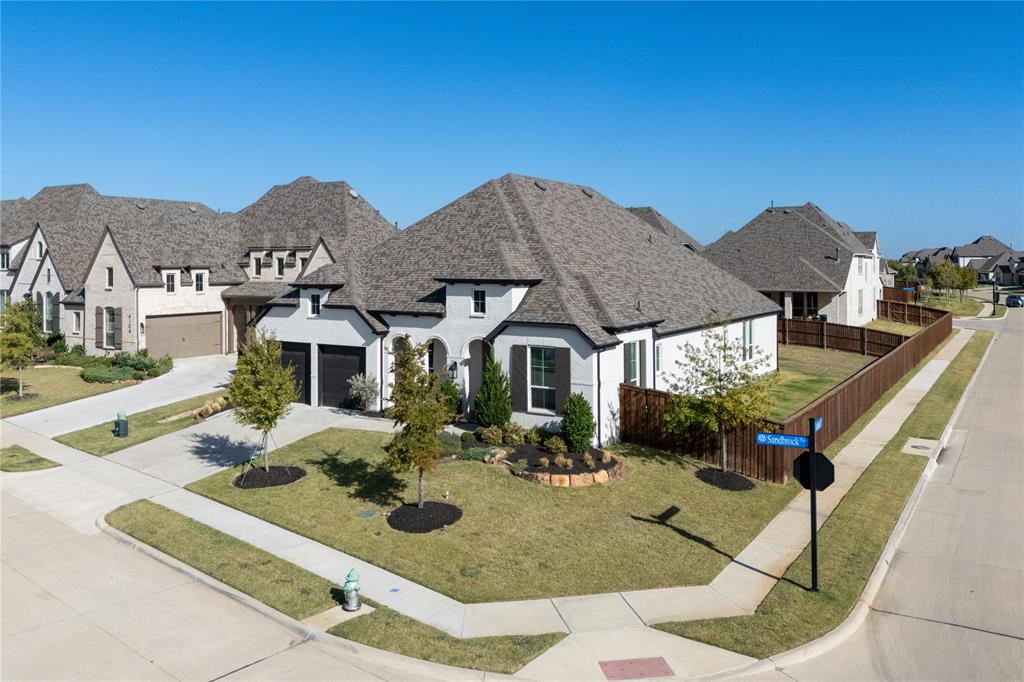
785, 440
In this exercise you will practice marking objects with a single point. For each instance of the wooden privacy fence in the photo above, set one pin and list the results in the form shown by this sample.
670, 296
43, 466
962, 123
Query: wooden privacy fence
837, 337
899, 295
911, 314
642, 410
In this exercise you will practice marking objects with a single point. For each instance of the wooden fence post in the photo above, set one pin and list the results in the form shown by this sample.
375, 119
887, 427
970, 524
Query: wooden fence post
824, 335
785, 330
863, 340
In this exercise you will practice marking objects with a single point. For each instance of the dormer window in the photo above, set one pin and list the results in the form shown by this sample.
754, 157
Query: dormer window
169, 281
280, 267
110, 278
5, 259
314, 305
257, 266
479, 302
39, 249
200, 279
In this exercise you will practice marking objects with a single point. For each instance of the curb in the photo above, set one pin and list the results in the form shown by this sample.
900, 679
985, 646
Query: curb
862, 607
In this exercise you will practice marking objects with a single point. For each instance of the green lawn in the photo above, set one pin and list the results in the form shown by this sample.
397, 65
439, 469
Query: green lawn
516, 540
46, 387
850, 541
142, 426
807, 373
968, 307
894, 327
17, 458
300, 594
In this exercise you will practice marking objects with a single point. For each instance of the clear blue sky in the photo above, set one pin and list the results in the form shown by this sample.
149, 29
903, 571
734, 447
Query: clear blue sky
902, 118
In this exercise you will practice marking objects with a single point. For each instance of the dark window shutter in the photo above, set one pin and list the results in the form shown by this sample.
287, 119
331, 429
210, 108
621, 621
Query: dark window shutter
55, 321
117, 328
625, 363
517, 379
563, 383
99, 327
643, 364
39, 304
440, 360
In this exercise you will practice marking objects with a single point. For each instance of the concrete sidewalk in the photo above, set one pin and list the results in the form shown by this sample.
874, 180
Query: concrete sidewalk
190, 377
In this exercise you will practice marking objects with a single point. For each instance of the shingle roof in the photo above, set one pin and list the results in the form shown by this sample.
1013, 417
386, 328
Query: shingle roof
868, 239
986, 245
1006, 257
789, 248
655, 219
599, 266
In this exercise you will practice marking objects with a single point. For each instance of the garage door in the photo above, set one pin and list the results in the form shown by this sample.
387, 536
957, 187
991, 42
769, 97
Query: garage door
338, 364
297, 355
184, 336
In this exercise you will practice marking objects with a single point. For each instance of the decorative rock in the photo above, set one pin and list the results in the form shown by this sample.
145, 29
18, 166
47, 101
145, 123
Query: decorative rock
560, 480
537, 477
500, 454
600, 476
581, 480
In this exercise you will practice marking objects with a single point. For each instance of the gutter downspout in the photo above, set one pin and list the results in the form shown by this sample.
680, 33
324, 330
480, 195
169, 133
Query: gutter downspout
381, 354
599, 443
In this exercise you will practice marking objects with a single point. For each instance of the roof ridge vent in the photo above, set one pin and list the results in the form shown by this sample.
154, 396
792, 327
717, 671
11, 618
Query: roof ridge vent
139, 205
587, 192
192, 209
787, 210
354, 194
540, 185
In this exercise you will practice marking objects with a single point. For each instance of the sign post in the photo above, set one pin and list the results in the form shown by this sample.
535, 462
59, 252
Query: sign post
814, 510
815, 472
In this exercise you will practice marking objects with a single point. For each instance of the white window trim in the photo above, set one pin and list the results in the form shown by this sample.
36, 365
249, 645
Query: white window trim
199, 282
279, 268
47, 311
109, 319
76, 322
172, 278
319, 305
473, 310
529, 383
257, 267
108, 278
5, 260
39, 249
748, 340
633, 348
657, 357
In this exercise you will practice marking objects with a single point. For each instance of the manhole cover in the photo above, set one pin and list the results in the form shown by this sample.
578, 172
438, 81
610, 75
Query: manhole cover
635, 668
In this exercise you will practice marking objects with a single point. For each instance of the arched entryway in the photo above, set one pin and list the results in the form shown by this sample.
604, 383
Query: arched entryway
437, 358
479, 349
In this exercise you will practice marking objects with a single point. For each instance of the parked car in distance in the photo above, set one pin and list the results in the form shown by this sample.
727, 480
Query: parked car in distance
1014, 301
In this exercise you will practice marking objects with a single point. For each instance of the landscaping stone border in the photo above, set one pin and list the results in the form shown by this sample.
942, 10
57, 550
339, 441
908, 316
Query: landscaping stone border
580, 480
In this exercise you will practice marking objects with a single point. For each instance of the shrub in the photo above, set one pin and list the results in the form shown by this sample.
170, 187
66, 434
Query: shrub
474, 454
562, 461
588, 461
513, 434
163, 366
57, 342
138, 375
606, 456
451, 444
544, 462
535, 436
101, 374
365, 390
453, 397
577, 422
138, 361
555, 445
468, 437
491, 435
493, 405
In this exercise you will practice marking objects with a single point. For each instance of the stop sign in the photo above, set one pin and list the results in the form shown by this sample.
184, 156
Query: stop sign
824, 470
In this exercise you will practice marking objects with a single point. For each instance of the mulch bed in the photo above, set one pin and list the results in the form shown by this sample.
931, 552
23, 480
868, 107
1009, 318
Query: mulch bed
532, 454
261, 478
411, 519
726, 480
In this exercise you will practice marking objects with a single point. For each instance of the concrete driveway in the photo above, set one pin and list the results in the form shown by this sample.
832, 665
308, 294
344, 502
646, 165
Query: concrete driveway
190, 377
951, 607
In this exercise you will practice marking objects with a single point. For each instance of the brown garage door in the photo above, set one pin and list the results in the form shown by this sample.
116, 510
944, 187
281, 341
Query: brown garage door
184, 336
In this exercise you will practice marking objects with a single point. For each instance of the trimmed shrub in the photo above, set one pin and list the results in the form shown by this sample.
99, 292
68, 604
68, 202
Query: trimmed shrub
588, 461
544, 462
474, 454
452, 397
535, 436
513, 434
365, 390
450, 443
606, 457
556, 446
577, 423
140, 361
57, 342
563, 461
163, 366
493, 405
491, 435
468, 437
101, 374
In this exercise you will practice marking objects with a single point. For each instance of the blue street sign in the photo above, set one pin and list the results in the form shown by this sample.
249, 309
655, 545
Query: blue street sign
782, 439
908, 288
817, 424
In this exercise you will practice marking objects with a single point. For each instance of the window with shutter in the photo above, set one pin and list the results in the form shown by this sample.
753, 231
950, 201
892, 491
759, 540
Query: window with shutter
542, 379
98, 330
107, 327
117, 328
518, 379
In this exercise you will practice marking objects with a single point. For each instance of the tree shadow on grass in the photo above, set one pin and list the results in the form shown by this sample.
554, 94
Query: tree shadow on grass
369, 482
222, 450
661, 456
663, 518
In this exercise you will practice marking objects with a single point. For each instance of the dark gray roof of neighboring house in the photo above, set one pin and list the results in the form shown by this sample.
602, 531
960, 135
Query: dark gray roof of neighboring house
305, 210
789, 248
257, 289
1004, 258
919, 254
655, 219
985, 245
599, 266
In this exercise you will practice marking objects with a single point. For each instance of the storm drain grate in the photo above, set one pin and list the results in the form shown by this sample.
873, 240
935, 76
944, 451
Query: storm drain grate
635, 668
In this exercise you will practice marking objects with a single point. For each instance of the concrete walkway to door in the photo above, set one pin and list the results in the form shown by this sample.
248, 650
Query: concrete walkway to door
190, 377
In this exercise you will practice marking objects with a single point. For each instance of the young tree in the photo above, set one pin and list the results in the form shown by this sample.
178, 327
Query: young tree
578, 423
966, 279
718, 386
943, 276
904, 271
19, 334
419, 405
262, 388
493, 405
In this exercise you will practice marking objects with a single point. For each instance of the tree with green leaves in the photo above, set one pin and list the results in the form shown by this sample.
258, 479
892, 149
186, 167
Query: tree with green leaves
19, 338
966, 279
421, 408
578, 423
262, 388
943, 276
905, 272
493, 404
719, 386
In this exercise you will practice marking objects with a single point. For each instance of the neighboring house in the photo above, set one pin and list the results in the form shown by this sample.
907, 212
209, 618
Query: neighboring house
667, 227
567, 290
1006, 269
291, 229
977, 252
809, 264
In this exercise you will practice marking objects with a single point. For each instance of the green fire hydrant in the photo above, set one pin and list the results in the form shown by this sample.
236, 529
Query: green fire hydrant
350, 592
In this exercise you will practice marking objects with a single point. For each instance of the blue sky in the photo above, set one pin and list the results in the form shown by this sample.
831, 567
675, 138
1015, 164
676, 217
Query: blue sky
902, 118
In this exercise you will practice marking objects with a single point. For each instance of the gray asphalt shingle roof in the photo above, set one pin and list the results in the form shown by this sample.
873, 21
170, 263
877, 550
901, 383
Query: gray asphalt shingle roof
789, 248
985, 245
655, 219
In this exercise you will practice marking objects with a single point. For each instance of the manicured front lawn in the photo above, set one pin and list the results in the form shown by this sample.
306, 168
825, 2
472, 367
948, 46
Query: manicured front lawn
807, 373
142, 426
17, 458
516, 540
300, 594
850, 541
894, 327
968, 307
45, 387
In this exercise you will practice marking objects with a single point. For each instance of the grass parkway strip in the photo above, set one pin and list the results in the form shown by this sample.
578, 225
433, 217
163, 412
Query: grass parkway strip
17, 458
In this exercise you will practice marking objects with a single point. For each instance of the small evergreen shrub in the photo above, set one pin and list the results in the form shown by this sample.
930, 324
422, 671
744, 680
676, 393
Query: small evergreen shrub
468, 437
365, 390
555, 445
474, 454
140, 362
491, 435
163, 366
450, 443
453, 397
493, 405
57, 342
578, 423
535, 436
101, 374
513, 434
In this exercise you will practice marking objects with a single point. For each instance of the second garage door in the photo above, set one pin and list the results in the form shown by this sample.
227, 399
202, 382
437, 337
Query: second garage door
184, 336
338, 364
296, 355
